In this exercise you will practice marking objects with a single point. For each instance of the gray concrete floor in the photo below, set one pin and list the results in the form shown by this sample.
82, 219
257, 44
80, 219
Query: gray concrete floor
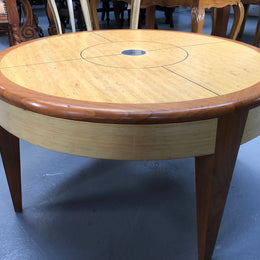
83, 208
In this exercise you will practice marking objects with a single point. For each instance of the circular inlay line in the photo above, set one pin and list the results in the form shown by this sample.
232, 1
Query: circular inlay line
148, 54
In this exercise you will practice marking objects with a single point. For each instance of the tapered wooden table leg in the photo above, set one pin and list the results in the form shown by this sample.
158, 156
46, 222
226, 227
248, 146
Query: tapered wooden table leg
10, 152
213, 177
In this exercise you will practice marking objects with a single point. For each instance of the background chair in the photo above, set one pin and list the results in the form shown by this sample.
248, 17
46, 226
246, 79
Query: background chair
197, 12
10, 21
85, 7
257, 33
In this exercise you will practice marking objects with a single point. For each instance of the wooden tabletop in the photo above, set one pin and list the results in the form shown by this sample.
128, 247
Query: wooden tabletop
131, 76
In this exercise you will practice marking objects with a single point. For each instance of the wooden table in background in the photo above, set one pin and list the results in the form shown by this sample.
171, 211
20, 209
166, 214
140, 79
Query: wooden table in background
197, 19
134, 95
221, 20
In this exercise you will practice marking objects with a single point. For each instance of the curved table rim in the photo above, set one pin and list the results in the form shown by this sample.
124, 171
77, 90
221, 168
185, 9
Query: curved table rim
98, 112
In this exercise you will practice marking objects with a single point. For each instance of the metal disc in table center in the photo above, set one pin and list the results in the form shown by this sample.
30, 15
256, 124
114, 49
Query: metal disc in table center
133, 52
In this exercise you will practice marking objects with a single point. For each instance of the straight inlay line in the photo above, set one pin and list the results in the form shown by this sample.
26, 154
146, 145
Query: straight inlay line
117, 54
96, 33
50, 62
177, 46
191, 81
194, 45
42, 63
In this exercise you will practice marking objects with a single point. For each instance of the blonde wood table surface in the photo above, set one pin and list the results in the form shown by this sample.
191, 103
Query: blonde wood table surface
134, 95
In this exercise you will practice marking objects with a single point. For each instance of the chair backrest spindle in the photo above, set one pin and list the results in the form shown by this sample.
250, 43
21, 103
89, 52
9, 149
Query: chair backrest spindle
135, 12
71, 14
86, 13
85, 7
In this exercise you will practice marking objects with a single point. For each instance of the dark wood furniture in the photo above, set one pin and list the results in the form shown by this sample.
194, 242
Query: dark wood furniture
220, 21
257, 32
197, 12
132, 95
9, 19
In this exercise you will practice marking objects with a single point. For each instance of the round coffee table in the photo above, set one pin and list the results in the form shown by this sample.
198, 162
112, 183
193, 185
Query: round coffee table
134, 95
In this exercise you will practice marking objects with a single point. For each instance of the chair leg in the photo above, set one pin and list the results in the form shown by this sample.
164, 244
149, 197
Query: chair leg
10, 152
105, 11
222, 21
116, 7
213, 176
246, 9
168, 11
13, 26
150, 17
213, 20
197, 19
93, 9
14, 34
238, 19
257, 33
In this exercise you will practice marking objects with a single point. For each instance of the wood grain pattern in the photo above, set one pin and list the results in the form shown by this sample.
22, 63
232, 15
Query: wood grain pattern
200, 83
11, 8
213, 176
110, 141
119, 141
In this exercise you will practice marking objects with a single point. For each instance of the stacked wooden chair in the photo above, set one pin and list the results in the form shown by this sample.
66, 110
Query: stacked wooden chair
85, 10
247, 3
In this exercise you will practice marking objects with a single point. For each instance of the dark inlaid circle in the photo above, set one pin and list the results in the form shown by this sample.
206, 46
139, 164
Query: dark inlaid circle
149, 54
133, 52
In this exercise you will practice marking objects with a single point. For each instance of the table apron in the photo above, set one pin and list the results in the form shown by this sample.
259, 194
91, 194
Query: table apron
119, 141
